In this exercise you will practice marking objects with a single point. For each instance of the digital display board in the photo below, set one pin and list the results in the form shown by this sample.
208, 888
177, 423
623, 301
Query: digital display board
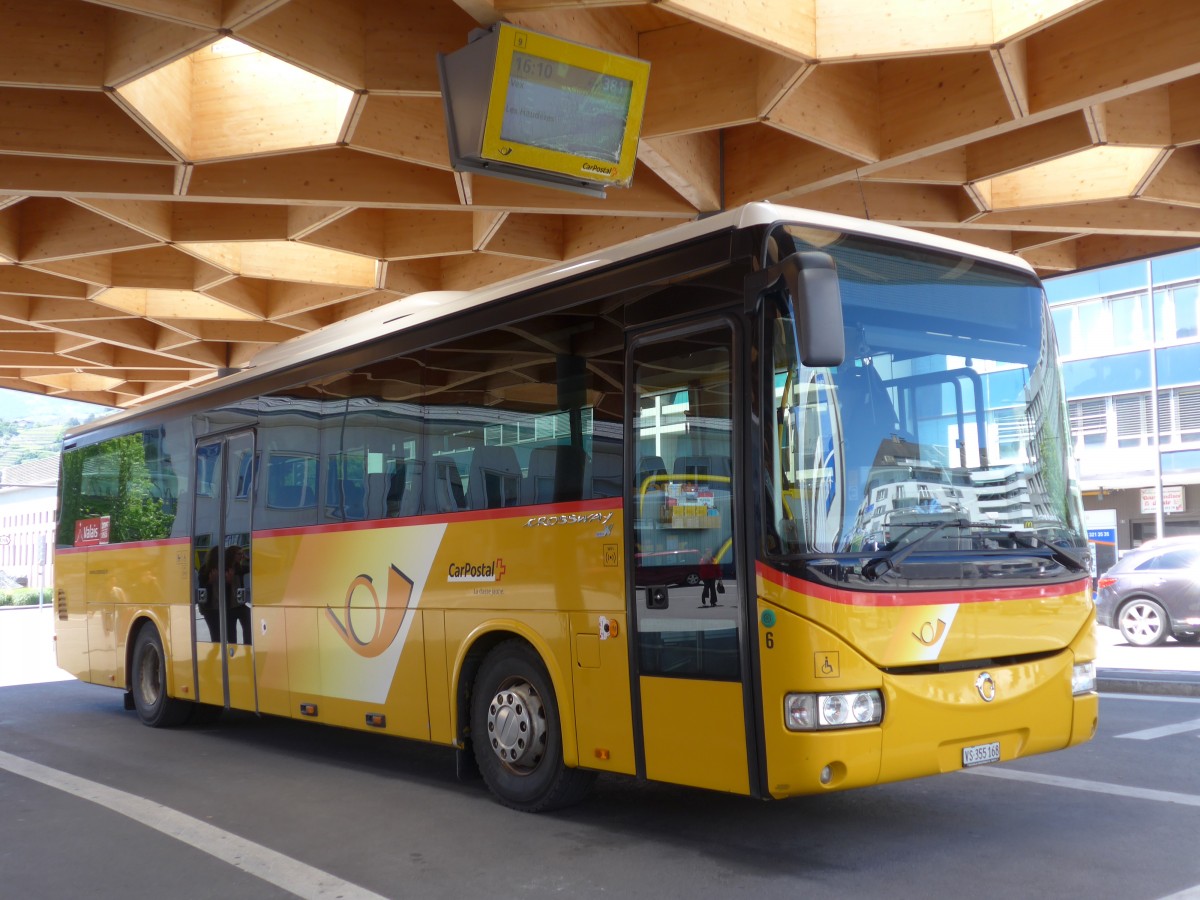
532, 106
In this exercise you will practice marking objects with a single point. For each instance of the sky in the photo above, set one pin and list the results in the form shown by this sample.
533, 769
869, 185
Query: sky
40, 408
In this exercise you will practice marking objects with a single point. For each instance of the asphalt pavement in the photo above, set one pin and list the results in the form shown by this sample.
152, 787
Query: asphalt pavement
27, 657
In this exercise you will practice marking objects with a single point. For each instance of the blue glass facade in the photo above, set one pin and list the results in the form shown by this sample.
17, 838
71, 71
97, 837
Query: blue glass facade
1129, 340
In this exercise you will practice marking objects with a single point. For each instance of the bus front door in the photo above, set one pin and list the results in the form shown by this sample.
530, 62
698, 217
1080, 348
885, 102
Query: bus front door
686, 616
221, 592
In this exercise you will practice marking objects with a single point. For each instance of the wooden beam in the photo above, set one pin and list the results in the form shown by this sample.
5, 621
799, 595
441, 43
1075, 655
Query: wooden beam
764, 163
303, 220
789, 27
151, 217
72, 123
155, 267
690, 164
1178, 180
30, 283
196, 222
936, 100
412, 276
917, 206
400, 51
1012, 67
837, 107
73, 35
1185, 111
879, 28
325, 37
250, 295
1039, 142
411, 128
1140, 119
649, 195
1087, 57
1128, 217
361, 231
702, 79
947, 167
338, 176
1107, 249
47, 176
162, 102
285, 298
139, 44
583, 235
203, 13
464, 273
58, 229
95, 271
529, 236
10, 228
411, 235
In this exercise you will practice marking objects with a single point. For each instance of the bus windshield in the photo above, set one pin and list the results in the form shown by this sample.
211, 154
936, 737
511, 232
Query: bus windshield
936, 455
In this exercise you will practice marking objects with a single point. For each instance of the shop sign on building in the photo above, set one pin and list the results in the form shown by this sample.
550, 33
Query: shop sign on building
1172, 499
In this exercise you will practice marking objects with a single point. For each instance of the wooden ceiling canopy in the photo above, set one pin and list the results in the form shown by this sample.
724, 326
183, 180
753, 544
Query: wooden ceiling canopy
183, 182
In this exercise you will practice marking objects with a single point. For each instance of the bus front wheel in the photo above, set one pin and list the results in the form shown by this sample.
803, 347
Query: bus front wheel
516, 733
148, 683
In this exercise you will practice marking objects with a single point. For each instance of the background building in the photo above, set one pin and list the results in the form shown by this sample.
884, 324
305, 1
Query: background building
27, 503
1129, 337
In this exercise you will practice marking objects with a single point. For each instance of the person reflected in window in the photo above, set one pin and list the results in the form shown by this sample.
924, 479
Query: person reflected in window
237, 595
710, 572
208, 589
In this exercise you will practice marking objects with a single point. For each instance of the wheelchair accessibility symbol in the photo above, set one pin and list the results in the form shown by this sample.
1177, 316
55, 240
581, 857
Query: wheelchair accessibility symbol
825, 664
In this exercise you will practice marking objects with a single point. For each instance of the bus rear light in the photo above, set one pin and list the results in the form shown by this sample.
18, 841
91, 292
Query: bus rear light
852, 709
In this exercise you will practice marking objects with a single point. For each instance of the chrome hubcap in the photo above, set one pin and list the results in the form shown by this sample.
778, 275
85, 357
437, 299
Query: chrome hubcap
1142, 622
151, 671
516, 723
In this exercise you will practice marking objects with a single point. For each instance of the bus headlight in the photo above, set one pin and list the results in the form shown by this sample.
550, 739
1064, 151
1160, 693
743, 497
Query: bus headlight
1083, 678
852, 709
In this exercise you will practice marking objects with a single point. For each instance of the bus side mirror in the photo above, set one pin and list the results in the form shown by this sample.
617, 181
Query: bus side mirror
810, 278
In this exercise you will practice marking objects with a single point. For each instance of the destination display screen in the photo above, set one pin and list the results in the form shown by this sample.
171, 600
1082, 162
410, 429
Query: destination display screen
556, 106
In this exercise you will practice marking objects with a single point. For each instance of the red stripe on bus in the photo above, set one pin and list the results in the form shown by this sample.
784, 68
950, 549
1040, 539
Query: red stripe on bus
918, 598
480, 515
131, 545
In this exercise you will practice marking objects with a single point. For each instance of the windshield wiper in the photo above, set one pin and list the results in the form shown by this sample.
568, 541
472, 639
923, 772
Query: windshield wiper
1063, 557
877, 565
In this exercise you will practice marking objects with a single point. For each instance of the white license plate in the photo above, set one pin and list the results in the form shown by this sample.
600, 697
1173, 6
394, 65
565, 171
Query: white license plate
981, 753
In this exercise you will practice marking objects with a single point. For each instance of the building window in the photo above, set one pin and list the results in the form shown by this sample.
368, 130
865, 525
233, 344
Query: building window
1177, 312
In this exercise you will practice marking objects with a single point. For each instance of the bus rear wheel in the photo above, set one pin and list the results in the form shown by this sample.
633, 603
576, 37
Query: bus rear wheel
148, 683
516, 733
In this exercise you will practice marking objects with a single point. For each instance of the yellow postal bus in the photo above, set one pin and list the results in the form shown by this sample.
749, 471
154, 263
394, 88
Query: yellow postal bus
773, 503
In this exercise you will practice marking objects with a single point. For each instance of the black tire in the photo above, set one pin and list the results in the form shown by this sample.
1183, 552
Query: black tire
516, 733
1143, 622
148, 683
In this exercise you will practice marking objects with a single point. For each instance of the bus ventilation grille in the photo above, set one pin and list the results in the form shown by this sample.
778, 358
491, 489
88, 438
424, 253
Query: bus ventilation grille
60, 603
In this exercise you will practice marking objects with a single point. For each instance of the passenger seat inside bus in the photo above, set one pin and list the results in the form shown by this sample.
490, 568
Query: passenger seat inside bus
495, 480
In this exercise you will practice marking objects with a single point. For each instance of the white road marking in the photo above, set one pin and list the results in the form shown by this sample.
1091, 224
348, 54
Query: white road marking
1150, 734
282, 871
1095, 787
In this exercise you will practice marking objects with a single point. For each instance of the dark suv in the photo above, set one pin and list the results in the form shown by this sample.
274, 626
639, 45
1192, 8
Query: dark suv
1153, 592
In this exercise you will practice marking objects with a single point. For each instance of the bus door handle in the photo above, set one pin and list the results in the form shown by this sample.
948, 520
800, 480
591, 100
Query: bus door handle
657, 597
202, 596
240, 597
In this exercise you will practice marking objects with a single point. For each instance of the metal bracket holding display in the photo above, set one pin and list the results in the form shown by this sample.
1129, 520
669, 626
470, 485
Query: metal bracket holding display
537, 109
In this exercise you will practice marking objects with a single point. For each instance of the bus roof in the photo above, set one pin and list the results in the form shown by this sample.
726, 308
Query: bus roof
428, 306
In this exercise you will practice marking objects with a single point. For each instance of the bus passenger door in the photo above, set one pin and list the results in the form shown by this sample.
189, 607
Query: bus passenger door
688, 582
221, 588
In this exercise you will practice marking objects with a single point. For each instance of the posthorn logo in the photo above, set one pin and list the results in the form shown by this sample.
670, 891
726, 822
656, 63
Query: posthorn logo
472, 571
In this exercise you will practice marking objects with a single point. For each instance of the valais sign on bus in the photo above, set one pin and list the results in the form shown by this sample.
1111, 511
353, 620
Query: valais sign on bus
91, 532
